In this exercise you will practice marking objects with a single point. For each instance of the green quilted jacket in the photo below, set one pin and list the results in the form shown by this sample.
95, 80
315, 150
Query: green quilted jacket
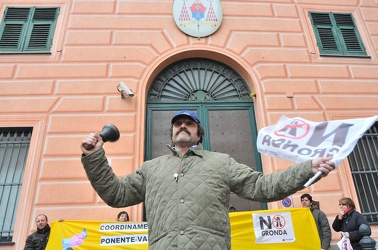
190, 211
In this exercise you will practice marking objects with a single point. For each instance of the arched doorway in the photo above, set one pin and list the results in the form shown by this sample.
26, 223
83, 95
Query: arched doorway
220, 97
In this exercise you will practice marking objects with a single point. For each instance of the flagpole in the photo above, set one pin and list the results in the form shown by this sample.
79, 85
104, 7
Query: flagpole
312, 179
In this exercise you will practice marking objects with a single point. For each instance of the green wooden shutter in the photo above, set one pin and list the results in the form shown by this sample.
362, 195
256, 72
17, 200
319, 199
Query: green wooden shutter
28, 29
336, 34
42, 27
13, 28
349, 36
325, 34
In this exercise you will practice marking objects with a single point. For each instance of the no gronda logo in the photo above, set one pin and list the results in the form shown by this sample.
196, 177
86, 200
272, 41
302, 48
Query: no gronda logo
295, 129
273, 227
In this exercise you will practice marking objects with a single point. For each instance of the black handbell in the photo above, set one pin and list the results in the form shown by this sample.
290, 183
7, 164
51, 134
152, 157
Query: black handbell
109, 133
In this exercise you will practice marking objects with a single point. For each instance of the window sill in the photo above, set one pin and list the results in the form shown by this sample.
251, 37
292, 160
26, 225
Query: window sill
349, 56
6, 243
24, 52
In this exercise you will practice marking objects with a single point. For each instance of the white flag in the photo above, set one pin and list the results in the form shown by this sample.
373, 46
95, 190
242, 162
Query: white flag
344, 244
299, 140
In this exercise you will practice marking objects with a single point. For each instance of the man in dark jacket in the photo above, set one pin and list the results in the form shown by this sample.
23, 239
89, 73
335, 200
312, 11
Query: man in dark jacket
38, 240
187, 193
321, 221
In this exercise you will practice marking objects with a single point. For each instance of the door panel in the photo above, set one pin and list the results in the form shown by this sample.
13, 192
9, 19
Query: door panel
230, 133
160, 134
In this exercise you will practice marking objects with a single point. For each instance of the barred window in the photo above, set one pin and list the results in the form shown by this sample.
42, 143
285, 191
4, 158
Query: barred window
363, 162
14, 147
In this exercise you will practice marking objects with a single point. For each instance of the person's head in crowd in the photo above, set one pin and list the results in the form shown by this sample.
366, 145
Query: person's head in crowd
41, 221
306, 200
123, 216
346, 204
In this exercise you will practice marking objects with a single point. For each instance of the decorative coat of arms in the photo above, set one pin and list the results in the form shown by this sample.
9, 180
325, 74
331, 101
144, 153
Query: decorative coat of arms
197, 18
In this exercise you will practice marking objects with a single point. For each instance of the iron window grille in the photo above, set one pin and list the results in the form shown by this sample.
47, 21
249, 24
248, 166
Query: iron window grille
27, 30
14, 147
336, 34
363, 162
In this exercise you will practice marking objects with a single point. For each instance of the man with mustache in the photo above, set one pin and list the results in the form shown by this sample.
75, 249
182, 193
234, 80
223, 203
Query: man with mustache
187, 192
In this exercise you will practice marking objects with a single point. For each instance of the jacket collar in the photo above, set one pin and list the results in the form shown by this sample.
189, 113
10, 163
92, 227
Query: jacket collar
350, 212
44, 230
194, 150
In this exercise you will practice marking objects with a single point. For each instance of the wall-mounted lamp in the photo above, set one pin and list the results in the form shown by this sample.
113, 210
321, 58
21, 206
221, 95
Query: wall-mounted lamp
125, 91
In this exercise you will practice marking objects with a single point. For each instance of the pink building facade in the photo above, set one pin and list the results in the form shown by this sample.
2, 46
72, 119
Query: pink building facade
71, 91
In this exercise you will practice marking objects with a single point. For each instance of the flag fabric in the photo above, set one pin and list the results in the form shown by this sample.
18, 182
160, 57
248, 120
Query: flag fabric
281, 229
344, 243
298, 139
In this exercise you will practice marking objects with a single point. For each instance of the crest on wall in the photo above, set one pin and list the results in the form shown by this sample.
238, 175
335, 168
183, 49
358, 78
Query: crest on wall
197, 18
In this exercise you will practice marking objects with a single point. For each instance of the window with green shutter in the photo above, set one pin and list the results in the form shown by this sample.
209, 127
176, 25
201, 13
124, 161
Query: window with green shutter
28, 30
337, 34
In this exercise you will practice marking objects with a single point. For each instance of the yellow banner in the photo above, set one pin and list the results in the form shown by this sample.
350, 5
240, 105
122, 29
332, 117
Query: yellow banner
291, 228
91, 235
283, 229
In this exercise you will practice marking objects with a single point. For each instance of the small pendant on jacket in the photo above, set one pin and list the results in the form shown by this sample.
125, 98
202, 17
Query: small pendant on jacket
175, 175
